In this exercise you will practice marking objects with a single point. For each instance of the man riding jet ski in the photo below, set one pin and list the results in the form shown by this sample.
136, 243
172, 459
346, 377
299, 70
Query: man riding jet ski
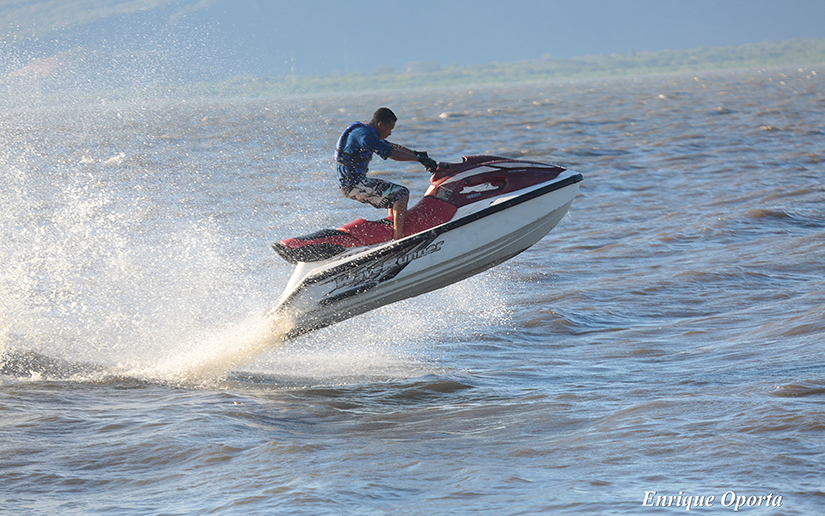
354, 150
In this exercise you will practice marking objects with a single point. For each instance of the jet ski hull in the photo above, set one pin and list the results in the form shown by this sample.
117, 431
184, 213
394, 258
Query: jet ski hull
323, 293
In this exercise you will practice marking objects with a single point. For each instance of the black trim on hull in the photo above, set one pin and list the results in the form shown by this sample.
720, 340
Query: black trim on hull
312, 253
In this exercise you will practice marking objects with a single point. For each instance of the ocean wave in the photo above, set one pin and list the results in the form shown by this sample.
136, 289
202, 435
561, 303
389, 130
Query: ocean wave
27, 364
800, 389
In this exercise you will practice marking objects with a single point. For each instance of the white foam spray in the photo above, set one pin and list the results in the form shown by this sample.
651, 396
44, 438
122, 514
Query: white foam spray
210, 358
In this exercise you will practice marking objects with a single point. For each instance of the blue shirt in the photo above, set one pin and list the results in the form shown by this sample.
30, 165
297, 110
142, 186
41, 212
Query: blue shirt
354, 150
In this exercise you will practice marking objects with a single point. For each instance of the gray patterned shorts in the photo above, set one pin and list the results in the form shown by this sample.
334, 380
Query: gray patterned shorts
378, 193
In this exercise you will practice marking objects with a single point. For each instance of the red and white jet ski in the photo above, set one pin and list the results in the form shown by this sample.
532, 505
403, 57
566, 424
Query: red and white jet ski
475, 214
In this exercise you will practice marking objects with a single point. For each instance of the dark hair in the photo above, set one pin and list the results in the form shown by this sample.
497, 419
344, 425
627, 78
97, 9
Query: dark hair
383, 115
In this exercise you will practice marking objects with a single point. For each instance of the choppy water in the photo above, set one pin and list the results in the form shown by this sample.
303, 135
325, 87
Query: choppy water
667, 336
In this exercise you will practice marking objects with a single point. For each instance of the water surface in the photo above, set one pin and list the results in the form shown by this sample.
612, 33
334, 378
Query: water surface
667, 336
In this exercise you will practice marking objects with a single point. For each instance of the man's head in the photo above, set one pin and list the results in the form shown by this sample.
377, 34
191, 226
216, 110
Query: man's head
383, 120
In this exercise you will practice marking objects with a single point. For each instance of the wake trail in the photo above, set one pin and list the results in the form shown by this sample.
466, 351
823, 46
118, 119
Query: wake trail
220, 353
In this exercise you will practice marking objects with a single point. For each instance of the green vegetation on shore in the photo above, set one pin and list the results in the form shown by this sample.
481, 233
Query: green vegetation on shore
420, 75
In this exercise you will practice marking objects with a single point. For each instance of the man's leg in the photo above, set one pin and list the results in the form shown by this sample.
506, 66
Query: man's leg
398, 212
383, 194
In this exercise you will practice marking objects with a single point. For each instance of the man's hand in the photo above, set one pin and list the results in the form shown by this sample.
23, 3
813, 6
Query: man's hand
429, 163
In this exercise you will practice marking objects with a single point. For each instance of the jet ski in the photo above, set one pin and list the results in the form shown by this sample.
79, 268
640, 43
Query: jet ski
474, 215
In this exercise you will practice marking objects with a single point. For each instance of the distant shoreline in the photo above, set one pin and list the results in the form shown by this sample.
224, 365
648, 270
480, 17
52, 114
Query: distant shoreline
52, 77
426, 75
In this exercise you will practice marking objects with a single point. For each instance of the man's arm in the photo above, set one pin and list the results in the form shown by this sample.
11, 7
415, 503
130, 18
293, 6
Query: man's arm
401, 153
